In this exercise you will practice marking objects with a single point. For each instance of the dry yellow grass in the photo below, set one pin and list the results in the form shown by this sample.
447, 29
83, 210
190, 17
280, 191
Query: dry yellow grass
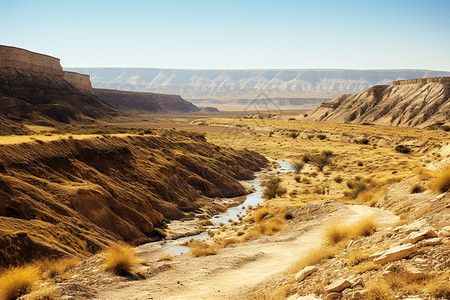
51, 268
120, 259
364, 267
335, 233
441, 184
166, 257
379, 289
200, 248
315, 255
18, 281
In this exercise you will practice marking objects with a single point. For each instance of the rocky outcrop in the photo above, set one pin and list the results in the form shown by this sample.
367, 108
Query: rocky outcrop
12, 57
81, 81
422, 80
75, 196
145, 102
404, 104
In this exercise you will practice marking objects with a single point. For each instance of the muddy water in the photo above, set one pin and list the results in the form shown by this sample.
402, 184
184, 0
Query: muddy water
173, 247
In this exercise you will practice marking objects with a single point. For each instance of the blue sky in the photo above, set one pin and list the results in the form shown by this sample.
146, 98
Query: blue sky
233, 34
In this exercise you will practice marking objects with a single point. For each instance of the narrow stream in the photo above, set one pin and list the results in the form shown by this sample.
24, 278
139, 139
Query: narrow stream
174, 247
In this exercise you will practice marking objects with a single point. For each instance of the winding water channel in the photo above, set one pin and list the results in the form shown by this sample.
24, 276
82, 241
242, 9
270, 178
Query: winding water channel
174, 247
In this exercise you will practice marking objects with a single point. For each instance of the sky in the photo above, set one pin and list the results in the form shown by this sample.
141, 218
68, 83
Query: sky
233, 34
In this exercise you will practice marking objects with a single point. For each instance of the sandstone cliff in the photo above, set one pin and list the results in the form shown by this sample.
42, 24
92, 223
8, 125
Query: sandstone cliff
145, 102
74, 196
418, 102
78, 80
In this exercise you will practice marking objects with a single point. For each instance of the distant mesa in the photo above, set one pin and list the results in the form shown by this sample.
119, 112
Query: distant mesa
35, 90
421, 102
209, 109
235, 89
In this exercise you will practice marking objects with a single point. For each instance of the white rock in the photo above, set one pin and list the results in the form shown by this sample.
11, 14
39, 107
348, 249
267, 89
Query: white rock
414, 237
445, 231
412, 273
305, 272
337, 286
432, 242
395, 253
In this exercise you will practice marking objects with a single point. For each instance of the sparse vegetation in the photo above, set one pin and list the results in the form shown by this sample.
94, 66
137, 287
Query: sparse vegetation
441, 184
402, 149
200, 248
273, 188
120, 259
297, 166
16, 282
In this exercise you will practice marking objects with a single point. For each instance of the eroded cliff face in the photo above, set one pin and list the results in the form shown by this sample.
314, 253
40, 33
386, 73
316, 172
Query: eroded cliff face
12, 57
81, 81
75, 196
419, 102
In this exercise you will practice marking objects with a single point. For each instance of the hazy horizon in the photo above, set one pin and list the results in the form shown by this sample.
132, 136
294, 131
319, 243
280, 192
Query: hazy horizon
234, 35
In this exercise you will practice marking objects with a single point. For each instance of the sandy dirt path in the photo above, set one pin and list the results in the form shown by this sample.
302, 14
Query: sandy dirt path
236, 269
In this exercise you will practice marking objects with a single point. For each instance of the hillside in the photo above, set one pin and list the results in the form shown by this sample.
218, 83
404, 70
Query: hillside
421, 102
145, 102
74, 196
35, 90
247, 84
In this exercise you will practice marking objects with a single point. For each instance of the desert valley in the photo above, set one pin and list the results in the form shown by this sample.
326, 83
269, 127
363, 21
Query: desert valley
183, 183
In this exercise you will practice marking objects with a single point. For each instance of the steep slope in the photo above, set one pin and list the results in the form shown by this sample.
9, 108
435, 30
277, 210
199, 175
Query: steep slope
247, 84
43, 99
145, 102
419, 103
74, 196
34, 89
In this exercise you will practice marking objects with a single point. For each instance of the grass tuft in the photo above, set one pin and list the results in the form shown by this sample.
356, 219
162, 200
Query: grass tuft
16, 282
120, 259
200, 248
441, 184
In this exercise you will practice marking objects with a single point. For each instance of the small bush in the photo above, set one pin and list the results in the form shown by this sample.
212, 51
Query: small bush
120, 259
297, 178
16, 282
320, 161
273, 188
327, 153
200, 248
356, 187
360, 164
321, 136
442, 183
196, 135
363, 141
338, 179
297, 166
336, 233
379, 289
417, 189
402, 149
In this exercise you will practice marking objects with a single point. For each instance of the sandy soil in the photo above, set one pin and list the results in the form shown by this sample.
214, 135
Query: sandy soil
233, 272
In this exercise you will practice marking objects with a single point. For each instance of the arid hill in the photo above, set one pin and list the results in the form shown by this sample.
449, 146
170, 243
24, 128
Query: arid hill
75, 196
418, 102
145, 102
